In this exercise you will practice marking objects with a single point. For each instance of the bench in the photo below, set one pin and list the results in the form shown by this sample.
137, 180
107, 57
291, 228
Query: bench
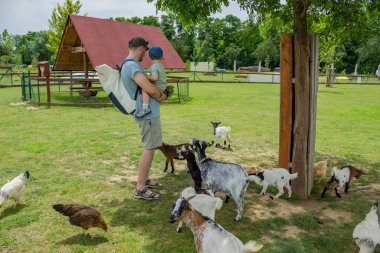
209, 73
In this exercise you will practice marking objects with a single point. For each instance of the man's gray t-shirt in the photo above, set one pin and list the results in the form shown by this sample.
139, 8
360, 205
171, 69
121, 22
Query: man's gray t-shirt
157, 69
128, 71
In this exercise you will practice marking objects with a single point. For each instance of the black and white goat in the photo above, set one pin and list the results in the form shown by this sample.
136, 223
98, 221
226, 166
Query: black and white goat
229, 178
222, 132
203, 203
343, 177
193, 168
209, 236
279, 177
367, 233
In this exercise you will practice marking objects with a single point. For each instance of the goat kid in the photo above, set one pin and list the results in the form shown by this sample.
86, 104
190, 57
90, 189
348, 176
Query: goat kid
172, 152
229, 178
279, 177
209, 236
203, 203
343, 177
193, 168
222, 132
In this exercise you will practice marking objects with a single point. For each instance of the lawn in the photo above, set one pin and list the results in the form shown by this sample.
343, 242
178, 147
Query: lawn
90, 156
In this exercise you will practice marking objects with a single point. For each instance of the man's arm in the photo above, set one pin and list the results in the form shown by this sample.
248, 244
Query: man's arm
146, 85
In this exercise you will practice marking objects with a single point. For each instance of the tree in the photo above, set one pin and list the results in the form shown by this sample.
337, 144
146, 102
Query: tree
370, 51
57, 23
231, 53
6, 46
167, 26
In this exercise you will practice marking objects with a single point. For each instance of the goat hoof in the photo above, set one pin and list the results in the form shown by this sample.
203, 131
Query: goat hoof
179, 230
271, 197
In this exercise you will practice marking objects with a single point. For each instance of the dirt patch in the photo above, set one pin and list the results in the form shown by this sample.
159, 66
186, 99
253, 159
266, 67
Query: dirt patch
18, 103
268, 209
116, 179
292, 231
33, 108
338, 215
266, 239
86, 173
107, 162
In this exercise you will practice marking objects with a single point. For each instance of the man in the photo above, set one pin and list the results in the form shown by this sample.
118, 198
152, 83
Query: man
133, 76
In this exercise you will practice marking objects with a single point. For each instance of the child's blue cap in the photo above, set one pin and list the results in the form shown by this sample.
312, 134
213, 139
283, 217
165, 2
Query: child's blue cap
156, 52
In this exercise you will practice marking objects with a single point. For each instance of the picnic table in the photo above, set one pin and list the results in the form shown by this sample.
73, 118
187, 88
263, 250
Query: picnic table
209, 73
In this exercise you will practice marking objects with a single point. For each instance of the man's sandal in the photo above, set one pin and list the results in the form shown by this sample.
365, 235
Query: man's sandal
146, 194
150, 184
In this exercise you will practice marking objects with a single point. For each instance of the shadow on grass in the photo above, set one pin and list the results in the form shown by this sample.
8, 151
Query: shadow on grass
11, 211
86, 240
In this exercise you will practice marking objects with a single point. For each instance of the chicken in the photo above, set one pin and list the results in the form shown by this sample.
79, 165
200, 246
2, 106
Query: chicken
14, 189
82, 216
367, 233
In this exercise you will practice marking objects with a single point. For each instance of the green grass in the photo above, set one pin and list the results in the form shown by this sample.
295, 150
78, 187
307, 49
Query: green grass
73, 153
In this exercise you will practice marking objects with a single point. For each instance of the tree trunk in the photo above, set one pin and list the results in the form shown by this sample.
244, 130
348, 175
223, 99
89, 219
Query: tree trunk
302, 100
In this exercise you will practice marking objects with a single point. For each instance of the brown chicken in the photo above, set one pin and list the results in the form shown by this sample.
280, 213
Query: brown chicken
82, 216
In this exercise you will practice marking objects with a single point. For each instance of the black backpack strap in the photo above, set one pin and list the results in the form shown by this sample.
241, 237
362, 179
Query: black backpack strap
138, 90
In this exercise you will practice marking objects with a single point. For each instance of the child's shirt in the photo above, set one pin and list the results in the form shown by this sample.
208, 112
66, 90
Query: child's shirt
157, 69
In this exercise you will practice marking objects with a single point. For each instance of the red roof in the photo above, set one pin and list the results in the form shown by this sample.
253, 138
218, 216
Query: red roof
106, 41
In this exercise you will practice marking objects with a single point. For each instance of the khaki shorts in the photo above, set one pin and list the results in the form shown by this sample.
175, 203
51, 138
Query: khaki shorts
150, 131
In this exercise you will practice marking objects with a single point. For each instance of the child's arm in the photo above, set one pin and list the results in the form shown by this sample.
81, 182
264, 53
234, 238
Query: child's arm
153, 78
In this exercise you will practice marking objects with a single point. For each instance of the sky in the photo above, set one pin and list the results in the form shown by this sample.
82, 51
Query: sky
21, 16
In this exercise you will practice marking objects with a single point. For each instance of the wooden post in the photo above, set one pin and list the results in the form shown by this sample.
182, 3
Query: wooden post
286, 100
314, 78
301, 117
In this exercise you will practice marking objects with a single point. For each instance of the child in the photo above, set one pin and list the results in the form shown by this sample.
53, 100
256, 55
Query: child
157, 74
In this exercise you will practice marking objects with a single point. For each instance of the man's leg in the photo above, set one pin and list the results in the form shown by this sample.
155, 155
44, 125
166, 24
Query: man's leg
144, 166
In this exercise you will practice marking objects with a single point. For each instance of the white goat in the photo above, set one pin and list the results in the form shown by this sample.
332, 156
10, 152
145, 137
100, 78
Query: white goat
279, 177
203, 203
209, 237
229, 178
222, 132
367, 233
14, 188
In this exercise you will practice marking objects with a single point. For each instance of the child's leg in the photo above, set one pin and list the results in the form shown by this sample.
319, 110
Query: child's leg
145, 107
145, 98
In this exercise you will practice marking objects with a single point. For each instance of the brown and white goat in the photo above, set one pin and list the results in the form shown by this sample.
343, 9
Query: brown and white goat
343, 177
171, 152
209, 236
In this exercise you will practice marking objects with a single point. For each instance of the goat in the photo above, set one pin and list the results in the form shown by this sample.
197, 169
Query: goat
343, 177
203, 203
193, 168
222, 132
279, 177
171, 152
209, 236
229, 178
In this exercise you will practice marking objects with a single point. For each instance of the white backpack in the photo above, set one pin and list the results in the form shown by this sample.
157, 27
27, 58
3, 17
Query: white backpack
113, 85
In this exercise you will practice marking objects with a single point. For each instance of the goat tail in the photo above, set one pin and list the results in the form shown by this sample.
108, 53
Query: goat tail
293, 176
251, 246
256, 179
335, 169
219, 203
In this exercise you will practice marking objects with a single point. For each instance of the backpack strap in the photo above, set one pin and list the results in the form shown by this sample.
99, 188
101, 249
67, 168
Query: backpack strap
138, 90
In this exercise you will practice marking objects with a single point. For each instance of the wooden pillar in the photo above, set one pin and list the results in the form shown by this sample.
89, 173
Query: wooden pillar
301, 113
299, 84
286, 100
314, 79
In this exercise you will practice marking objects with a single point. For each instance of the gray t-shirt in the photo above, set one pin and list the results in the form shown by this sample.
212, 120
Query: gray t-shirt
157, 69
128, 71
